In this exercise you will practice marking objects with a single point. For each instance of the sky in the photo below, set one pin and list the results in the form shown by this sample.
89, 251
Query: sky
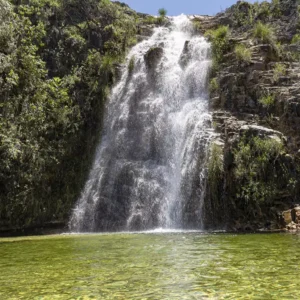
177, 7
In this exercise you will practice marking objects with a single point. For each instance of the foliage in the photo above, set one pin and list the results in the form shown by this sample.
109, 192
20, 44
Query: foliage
215, 171
197, 25
57, 64
263, 10
263, 33
275, 8
149, 20
256, 170
162, 12
162, 16
296, 39
213, 85
243, 13
220, 42
243, 54
267, 100
279, 70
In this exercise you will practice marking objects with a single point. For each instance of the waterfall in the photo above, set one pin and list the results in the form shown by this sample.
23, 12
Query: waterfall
149, 168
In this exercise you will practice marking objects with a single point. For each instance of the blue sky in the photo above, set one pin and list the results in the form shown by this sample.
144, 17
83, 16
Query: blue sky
177, 7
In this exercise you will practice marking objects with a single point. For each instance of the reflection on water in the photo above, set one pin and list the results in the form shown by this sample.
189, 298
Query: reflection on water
151, 266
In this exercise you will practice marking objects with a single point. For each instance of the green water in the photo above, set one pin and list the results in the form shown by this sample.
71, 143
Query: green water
151, 266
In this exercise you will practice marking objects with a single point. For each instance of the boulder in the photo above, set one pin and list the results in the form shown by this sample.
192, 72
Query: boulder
185, 55
287, 216
295, 214
292, 226
153, 57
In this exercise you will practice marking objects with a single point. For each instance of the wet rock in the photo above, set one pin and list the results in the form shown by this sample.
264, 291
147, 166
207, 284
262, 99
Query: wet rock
292, 226
287, 216
261, 132
295, 214
185, 55
146, 30
153, 57
118, 71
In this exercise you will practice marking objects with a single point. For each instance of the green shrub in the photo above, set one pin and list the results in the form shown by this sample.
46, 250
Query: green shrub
55, 75
243, 54
263, 33
267, 101
162, 15
275, 8
213, 85
162, 12
149, 20
220, 42
279, 70
197, 25
215, 171
296, 39
243, 13
255, 170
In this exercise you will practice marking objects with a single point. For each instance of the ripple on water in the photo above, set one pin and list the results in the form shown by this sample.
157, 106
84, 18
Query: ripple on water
151, 265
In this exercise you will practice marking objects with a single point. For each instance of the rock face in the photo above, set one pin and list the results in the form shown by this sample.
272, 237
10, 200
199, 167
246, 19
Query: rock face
256, 112
185, 55
291, 218
153, 57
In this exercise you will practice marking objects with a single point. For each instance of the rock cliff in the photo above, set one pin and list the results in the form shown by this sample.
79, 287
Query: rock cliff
254, 90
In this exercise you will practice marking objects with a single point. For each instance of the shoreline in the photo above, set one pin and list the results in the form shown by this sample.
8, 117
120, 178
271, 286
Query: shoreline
60, 229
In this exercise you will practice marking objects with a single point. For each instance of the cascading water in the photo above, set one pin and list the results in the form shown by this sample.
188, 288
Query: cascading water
149, 169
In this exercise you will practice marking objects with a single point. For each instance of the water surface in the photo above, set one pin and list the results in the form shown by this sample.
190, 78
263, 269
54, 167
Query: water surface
151, 266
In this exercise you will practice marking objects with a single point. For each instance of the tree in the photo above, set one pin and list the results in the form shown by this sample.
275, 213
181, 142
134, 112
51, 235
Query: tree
162, 12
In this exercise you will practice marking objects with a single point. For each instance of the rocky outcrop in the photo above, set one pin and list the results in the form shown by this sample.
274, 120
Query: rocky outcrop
153, 57
185, 55
256, 103
291, 218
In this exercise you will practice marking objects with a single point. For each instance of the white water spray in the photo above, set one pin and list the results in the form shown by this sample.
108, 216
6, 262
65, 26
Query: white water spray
149, 169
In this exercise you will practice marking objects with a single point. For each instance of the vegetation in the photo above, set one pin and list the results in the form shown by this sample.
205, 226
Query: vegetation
256, 171
213, 85
279, 70
162, 15
243, 13
259, 177
263, 33
57, 64
149, 20
296, 39
275, 8
162, 12
220, 43
197, 25
267, 100
243, 54
215, 172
